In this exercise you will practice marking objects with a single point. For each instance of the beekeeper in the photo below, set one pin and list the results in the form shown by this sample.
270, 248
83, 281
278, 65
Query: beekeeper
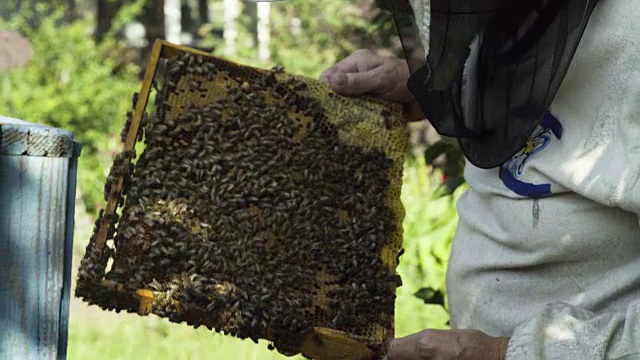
543, 97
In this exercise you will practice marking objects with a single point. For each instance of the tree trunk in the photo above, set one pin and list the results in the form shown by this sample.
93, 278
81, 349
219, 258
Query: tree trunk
263, 31
173, 21
152, 18
106, 10
69, 10
202, 7
186, 20
231, 11
251, 9
203, 12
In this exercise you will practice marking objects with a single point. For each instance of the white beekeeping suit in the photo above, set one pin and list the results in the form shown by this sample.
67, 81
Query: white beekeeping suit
547, 249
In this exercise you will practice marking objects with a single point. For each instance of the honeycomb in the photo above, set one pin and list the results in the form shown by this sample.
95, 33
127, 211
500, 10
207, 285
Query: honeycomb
262, 205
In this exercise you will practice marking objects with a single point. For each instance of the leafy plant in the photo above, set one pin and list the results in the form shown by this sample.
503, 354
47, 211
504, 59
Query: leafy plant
309, 36
72, 83
429, 226
447, 157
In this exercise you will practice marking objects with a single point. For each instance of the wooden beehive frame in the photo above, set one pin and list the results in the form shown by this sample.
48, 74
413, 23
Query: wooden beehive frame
345, 345
161, 49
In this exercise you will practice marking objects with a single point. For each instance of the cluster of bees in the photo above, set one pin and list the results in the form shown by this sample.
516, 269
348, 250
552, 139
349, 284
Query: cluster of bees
248, 210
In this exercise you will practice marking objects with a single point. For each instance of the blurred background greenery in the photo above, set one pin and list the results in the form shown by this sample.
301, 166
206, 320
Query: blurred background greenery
88, 59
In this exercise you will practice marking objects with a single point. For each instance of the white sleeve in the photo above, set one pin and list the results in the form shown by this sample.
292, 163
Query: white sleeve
563, 331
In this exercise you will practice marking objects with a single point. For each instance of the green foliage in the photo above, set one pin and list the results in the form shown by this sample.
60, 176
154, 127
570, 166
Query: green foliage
126, 14
431, 296
449, 158
429, 226
129, 336
72, 83
328, 31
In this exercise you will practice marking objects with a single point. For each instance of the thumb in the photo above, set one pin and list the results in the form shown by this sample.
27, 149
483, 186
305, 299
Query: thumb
404, 349
367, 82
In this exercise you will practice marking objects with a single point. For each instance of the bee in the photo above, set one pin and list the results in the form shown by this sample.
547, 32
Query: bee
270, 172
171, 84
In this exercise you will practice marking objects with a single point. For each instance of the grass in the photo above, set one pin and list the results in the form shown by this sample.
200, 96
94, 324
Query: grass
141, 338
428, 228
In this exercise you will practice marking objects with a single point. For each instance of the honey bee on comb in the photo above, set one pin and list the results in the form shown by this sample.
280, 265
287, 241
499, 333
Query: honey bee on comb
262, 205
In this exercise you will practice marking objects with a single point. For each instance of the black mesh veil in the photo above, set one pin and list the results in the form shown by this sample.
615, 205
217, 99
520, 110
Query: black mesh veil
493, 67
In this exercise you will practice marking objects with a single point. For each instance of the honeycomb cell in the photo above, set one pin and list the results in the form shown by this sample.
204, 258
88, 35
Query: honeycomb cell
262, 205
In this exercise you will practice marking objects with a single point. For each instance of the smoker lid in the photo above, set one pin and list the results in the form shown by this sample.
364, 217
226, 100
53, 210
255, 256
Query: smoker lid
22, 138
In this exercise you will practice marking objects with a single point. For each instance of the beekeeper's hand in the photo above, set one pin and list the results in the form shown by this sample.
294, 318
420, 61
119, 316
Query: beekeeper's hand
366, 73
448, 345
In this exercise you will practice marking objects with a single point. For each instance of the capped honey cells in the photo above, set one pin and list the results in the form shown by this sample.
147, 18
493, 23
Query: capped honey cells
260, 204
